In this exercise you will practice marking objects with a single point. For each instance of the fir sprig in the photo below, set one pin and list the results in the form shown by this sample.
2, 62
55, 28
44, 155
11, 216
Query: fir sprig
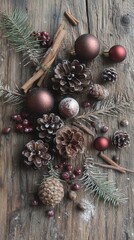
97, 183
110, 107
17, 30
7, 95
52, 172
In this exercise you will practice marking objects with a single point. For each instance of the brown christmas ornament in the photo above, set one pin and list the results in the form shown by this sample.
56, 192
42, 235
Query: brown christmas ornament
87, 47
98, 92
101, 143
51, 191
38, 100
69, 141
121, 139
68, 107
36, 154
47, 126
71, 77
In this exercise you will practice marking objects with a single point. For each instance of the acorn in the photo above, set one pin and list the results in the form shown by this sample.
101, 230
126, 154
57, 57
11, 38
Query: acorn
87, 47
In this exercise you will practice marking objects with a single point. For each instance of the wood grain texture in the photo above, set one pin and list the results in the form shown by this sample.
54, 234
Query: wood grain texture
18, 220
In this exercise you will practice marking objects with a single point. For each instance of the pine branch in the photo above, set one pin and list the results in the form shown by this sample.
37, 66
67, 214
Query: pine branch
96, 182
52, 172
110, 107
18, 32
10, 96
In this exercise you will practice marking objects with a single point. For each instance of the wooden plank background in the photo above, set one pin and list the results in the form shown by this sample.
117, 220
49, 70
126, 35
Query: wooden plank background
18, 220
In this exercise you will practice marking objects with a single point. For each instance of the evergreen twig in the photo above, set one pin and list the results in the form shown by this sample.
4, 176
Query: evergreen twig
97, 183
7, 95
18, 32
110, 107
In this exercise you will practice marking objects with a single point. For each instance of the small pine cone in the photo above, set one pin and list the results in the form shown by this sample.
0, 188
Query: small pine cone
51, 191
121, 139
109, 75
48, 125
71, 77
98, 92
69, 141
36, 154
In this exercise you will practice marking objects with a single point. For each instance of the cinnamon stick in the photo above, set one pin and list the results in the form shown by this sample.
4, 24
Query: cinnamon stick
71, 18
110, 166
48, 59
111, 162
83, 128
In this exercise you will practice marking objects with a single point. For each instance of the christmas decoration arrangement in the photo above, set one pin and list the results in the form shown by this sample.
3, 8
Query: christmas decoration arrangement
58, 123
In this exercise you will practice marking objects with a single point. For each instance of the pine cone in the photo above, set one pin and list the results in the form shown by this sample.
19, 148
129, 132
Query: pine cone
109, 75
69, 141
71, 77
120, 139
51, 191
99, 92
36, 153
48, 125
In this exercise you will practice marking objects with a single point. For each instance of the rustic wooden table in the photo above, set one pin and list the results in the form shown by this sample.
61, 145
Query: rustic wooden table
20, 221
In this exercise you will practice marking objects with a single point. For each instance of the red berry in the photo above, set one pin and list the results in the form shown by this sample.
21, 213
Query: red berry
6, 130
50, 213
75, 187
104, 129
14, 117
24, 114
34, 203
65, 176
68, 167
85, 104
25, 122
28, 129
19, 128
77, 171
60, 166
72, 176
17, 118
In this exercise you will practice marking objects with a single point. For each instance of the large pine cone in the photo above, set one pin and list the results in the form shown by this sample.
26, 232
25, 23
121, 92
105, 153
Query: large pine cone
51, 191
109, 75
36, 153
121, 139
69, 141
98, 92
71, 77
48, 125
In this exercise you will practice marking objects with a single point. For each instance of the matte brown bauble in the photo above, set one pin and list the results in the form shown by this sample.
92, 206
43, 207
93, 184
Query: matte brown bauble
39, 100
68, 107
117, 53
87, 47
101, 143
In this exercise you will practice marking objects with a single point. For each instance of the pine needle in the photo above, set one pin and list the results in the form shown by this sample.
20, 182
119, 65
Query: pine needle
110, 107
7, 95
52, 172
97, 183
18, 32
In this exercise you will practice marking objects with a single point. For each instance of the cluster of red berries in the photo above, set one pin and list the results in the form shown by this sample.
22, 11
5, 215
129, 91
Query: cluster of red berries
23, 122
69, 174
43, 38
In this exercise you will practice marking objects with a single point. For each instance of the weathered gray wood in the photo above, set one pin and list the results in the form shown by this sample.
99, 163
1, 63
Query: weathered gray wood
18, 220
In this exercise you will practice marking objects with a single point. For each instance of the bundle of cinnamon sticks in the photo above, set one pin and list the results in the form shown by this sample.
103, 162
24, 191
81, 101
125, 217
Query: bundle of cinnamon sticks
47, 60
